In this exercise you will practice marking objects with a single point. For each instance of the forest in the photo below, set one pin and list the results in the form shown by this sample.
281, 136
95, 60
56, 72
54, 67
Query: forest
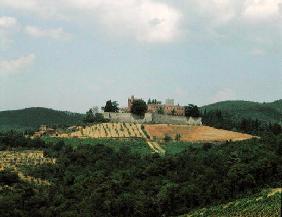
96, 177
96, 180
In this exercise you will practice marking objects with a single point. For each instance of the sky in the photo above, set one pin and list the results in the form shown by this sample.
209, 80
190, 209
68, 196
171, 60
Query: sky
75, 54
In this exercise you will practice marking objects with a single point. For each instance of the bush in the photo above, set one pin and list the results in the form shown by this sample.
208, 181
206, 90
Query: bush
167, 138
178, 137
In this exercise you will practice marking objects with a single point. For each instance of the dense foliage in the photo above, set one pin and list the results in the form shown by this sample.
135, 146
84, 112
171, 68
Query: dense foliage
98, 181
32, 118
192, 111
12, 140
139, 107
224, 120
265, 112
111, 106
266, 203
94, 117
154, 101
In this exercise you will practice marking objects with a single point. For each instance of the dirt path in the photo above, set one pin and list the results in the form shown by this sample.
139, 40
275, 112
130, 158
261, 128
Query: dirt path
156, 147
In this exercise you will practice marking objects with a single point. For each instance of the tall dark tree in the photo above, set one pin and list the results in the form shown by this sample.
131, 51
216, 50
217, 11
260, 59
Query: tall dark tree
139, 107
89, 117
92, 116
192, 111
111, 106
276, 129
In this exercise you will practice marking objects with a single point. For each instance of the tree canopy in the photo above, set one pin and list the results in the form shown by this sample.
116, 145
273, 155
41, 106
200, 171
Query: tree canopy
93, 116
154, 101
111, 106
139, 107
96, 180
192, 111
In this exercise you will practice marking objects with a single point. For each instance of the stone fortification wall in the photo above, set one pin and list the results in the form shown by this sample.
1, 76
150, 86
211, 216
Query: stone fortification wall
151, 118
128, 118
170, 119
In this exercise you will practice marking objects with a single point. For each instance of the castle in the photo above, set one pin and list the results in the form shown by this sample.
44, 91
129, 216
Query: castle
156, 107
157, 113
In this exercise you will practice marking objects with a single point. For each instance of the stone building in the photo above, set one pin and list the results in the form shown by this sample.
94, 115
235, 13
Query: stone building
168, 108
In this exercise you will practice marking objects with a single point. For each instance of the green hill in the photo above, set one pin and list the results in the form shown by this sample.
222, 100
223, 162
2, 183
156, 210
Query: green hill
32, 118
269, 112
267, 204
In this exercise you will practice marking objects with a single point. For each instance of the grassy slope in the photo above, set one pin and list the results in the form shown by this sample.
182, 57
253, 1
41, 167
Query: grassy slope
246, 109
266, 204
134, 145
32, 118
174, 148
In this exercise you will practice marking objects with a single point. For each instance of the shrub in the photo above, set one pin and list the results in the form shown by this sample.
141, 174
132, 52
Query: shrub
167, 138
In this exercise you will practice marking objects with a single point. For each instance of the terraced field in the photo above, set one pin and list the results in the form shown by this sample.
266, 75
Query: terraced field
153, 133
265, 204
108, 130
193, 133
17, 160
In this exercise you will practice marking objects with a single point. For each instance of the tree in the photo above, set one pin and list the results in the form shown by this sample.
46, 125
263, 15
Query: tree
111, 106
92, 116
276, 129
167, 138
89, 117
178, 137
154, 101
192, 111
161, 110
95, 110
99, 118
139, 107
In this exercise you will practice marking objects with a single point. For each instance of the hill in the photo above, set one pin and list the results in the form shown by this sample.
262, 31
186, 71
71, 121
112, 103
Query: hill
267, 203
32, 118
268, 112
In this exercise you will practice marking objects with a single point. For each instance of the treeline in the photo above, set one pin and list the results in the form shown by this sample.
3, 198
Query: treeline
224, 120
98, 181
13, 140
32, 118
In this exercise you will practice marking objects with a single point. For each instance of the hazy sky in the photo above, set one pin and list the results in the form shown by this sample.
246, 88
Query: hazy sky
74, 54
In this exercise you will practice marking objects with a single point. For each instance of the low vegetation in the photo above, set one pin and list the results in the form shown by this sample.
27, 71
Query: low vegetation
138, 145
266, 203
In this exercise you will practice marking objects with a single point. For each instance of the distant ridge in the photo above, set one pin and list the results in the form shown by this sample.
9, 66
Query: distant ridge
32, 118
270, 111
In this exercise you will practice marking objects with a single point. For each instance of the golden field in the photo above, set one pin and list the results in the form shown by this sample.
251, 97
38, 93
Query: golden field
194, 133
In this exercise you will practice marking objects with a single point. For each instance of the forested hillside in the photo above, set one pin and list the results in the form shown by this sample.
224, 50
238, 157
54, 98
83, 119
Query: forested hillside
268, 112
266, 203
32, 118
97, 180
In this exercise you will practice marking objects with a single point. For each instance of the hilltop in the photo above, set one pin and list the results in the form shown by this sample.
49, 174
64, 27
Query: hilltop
269, 112
32, 118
